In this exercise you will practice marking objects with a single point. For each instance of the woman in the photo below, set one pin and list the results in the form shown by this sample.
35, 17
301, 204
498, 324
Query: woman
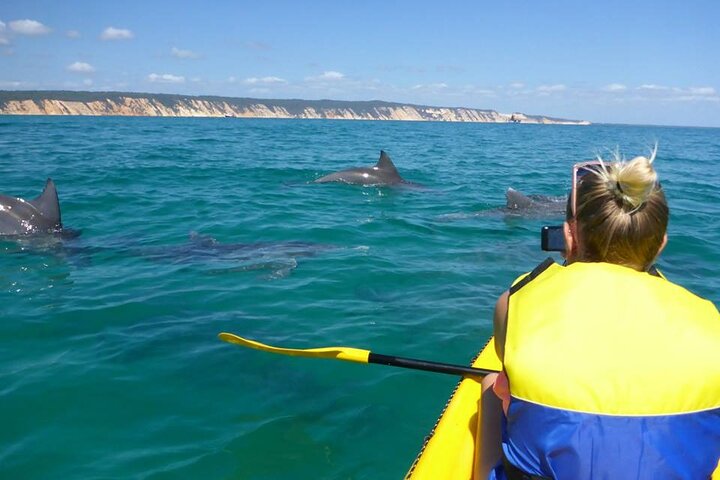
610, 371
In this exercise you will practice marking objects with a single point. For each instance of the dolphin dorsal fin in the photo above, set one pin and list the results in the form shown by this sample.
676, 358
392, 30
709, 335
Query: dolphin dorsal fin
516, 199
385, 163
47, 203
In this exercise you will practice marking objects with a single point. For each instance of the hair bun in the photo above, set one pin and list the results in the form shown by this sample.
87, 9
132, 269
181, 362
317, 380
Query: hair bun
634, 181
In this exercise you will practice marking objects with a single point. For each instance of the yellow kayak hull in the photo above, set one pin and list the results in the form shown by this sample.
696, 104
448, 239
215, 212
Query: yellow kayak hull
449, 450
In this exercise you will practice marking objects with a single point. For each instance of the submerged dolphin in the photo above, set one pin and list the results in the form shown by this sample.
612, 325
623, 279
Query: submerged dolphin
201, 246
382, 173
280, 258
23, 217
519, 203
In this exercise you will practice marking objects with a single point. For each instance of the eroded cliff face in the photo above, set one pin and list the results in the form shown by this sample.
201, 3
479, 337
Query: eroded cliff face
198, 107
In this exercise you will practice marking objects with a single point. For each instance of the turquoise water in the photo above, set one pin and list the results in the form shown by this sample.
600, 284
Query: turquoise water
110, 366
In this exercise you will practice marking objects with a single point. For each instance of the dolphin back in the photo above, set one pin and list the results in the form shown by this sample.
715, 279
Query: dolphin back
334, 177
534, 205
383, 172
21, 217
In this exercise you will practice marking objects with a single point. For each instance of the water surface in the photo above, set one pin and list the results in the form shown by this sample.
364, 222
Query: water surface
110, 366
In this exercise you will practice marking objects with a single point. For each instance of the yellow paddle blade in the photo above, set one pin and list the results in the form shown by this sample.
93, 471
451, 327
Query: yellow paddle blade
339, 353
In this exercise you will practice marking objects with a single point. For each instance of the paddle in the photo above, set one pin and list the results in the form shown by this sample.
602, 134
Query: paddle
359, 356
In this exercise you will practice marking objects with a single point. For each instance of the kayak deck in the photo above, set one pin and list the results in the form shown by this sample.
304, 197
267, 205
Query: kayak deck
449, 449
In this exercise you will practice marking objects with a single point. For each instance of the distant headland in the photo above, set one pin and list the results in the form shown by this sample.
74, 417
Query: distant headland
42, 102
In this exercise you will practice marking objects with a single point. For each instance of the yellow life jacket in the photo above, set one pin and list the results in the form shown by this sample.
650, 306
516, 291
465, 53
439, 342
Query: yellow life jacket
613, 373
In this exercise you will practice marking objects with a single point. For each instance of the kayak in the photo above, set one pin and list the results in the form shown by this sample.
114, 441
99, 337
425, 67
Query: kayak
449, 451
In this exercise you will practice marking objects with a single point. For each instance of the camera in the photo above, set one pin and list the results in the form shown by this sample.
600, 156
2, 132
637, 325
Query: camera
552, 239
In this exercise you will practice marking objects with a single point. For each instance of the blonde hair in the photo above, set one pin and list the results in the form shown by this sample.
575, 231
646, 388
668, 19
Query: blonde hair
622, 213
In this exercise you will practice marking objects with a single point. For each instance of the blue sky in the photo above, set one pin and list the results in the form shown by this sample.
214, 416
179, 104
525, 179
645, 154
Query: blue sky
650, 62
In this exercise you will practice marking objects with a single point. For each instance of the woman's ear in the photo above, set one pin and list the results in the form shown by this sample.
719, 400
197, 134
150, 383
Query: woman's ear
662, 245
570, 241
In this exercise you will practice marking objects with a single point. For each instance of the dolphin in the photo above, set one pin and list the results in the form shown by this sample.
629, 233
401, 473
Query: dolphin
520, 203
382, 173
280, 258
202, 246
22, 217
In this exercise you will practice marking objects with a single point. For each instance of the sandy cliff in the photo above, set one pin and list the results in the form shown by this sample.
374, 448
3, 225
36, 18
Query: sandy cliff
159, 105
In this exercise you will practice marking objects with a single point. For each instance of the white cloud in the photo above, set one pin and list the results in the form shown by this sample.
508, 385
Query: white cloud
180, 53
112, 33
28, 27
2, 26
652, 87
87, 82
696, 94
332, 75
264, 80
653, 93
11, 84
332, 81
72, 34
432, 86
548, 89
165, 78
709, 91
517, 85
614, 87
329, 76
4, 41
81, 67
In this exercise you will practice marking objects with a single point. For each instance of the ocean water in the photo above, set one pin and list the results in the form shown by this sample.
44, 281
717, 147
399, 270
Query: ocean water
110, 366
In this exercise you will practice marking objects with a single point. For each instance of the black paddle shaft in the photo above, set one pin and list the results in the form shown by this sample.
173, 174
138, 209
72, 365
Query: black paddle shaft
427, 366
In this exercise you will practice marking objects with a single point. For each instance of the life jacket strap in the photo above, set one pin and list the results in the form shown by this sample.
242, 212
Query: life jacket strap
531, 276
